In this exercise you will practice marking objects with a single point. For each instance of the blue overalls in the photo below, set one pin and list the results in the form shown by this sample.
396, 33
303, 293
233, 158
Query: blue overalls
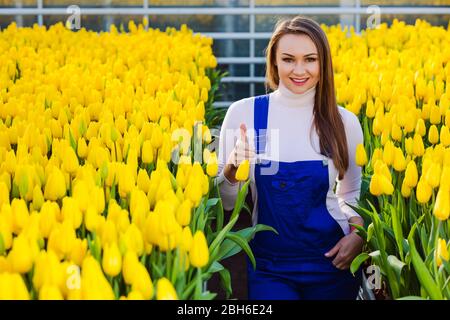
292, 265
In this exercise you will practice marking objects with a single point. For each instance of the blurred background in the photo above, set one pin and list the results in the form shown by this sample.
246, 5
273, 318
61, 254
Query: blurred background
240, 28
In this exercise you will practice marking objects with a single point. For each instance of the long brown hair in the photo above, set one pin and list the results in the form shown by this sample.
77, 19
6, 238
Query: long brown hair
327, 119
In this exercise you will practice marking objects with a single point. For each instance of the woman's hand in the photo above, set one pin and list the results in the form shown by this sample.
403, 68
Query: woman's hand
347, 248
242, 150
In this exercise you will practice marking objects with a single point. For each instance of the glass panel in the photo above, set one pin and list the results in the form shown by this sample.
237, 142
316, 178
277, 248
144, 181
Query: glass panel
235, 70
17, 3
202, 23
405, 2
266, 23
24, 21
234, 91
231, 48
93, 3
274, 3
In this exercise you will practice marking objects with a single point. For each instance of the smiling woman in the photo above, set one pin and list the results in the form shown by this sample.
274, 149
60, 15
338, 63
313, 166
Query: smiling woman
314, 143
297, 62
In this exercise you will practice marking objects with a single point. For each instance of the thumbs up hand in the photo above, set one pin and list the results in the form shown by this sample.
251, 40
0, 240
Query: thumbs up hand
242, 150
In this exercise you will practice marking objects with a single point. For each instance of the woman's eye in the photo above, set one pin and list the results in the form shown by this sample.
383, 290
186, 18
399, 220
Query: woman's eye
310, 59
287, 59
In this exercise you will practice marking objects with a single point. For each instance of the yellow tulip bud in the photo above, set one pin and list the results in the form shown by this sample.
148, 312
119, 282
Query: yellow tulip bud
147, 152
375, 185
142, 282
406, 191
143, 180
80, 194
165, 290
212, 166
82, 148
126, 180
433, 175
361, 156
112, 260
399, 160
442, 206
186, 241
78, 252
199, 253
21, 257
55, 188
70, 160
433, 135
420, 127
193, 191
423, 191
388, 153
441, 252
411, 174
418, 147
20, 215
130, 262
243, 171
71, 212
184, 212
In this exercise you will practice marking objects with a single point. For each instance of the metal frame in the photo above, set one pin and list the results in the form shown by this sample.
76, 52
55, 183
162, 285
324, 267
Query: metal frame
356, 11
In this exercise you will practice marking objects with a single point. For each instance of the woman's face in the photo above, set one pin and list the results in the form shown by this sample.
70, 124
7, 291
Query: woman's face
298, 62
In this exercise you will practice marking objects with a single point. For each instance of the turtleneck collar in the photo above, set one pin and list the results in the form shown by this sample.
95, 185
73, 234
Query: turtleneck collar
286, 97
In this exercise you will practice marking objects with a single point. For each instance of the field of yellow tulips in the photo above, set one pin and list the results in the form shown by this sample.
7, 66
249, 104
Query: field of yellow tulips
397, 80
102, 192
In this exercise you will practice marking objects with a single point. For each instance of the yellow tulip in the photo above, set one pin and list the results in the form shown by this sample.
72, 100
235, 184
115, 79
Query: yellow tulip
82, 148
411, 174
147, 152
423, 191
126, 180
243, 171
71, 212
375, 186
183, 214
143, 180
406, 191
193, 191
49, 292
81, 193
420, 127
21, 257
441, 252
442, 206
130, 262
212, 166
399, 160
70, 160
112, 260
199, 253
433, 135
55, 188
418, 147
433, 175
142, 282
165, 290
361, 156
20, 215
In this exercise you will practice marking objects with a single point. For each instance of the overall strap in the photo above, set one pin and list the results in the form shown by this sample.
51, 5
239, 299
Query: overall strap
261, 111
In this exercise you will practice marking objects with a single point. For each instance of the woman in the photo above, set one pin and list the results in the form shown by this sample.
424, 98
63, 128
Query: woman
299, 145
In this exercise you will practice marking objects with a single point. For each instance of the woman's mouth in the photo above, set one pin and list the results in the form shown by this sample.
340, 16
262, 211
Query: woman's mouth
299, 82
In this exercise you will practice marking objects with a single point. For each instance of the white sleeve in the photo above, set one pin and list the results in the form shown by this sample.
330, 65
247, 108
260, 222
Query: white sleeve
349, 188
228, 190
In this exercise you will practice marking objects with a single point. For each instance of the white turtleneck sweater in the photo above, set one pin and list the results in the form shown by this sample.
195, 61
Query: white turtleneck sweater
289, 125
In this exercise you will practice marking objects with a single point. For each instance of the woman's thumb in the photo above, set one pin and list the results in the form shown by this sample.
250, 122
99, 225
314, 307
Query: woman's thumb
243, 132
